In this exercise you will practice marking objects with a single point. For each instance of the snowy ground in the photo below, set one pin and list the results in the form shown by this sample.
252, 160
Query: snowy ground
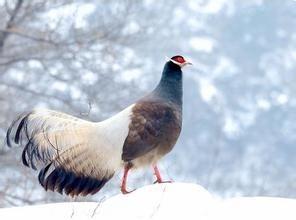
163, 201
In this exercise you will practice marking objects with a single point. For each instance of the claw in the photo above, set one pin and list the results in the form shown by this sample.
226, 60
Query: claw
158, 176
124, 191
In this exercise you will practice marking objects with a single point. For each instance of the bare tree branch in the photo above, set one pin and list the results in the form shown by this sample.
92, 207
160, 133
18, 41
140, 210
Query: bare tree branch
10, 23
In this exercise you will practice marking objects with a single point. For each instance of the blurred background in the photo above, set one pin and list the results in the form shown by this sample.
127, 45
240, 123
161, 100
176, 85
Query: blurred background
93, 58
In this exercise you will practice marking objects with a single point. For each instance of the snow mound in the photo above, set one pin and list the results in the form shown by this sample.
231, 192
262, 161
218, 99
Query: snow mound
162, 201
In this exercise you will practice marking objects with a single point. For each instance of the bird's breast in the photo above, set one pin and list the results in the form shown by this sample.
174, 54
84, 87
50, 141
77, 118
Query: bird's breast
154, 129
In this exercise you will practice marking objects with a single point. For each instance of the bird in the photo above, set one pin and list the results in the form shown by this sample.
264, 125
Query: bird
77, 157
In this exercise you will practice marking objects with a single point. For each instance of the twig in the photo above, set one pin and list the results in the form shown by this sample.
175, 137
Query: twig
98, 205
158, 205
10, 23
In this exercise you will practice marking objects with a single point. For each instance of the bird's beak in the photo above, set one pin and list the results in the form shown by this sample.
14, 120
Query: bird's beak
187, 63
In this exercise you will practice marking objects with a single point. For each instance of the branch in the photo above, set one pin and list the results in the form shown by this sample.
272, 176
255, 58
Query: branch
39, 94
10, 23
22, 34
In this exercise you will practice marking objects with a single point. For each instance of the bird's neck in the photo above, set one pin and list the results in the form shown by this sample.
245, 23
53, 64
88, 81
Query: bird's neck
170, 86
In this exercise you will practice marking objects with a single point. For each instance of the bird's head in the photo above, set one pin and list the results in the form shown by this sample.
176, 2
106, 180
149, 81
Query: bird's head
180, 61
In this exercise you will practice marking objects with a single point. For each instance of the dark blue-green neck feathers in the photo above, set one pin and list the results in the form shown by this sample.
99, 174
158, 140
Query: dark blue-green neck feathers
170, 86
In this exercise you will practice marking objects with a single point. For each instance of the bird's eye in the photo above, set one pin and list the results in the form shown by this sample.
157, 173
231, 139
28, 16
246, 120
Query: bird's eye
180, 60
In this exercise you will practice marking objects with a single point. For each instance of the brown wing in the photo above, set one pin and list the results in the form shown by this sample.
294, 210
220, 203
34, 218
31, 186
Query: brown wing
152, 124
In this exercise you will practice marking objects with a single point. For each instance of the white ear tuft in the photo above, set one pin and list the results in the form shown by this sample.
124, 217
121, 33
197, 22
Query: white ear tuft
175, 62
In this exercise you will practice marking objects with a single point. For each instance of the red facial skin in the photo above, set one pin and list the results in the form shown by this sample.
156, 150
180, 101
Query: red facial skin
179, 59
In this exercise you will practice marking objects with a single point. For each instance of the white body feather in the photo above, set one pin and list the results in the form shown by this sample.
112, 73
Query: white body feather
111, 135
103, 139
70, 149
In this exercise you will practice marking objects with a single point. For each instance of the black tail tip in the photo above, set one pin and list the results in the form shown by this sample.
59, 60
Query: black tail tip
14, 131
69, 183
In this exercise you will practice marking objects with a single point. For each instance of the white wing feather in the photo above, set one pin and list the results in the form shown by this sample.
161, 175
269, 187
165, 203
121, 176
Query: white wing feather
76, 156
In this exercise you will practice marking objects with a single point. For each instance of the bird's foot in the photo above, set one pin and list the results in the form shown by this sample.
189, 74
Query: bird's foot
124, 180
158, 176
163, 181
125, 191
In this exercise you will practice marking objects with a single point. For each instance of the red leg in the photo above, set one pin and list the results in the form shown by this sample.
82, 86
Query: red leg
158, 176
124, 180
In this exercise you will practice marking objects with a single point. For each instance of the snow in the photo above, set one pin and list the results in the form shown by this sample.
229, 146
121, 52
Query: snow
162, 201
77, 10
207, 89
203, 44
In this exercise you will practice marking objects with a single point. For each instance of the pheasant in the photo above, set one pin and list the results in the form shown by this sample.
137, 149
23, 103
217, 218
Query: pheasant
78, 157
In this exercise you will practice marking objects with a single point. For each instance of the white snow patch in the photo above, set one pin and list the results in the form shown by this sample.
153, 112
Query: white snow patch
78, 11
207, 90
210, 7
246, 208
162, 201
59, 86
263, 104
204, 44
230, 126
35, 64
224, 67
132, 28
17, 76
131, 74
89, 77
282, 99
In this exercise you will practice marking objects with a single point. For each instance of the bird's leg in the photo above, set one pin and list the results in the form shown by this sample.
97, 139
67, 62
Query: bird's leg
124, 179
158, 176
